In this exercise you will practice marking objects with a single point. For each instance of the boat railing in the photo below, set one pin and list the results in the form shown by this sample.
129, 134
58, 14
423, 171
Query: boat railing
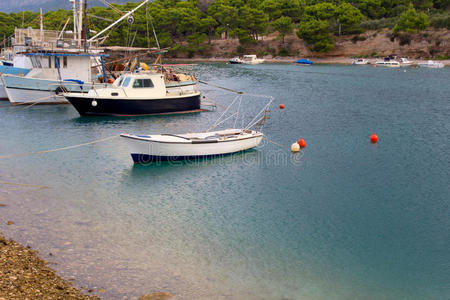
67, 86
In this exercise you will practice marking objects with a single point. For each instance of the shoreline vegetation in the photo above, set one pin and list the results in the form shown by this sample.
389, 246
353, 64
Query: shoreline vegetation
279, 28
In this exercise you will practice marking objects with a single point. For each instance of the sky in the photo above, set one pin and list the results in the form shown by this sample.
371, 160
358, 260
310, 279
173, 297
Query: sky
34, 5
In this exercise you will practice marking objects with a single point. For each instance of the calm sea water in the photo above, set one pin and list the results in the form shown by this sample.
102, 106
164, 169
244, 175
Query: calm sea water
345, 219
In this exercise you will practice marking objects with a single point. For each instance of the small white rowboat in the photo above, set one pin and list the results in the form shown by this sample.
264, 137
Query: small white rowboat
148, 148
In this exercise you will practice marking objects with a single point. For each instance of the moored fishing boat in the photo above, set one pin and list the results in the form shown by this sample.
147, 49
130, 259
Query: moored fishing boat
431, 64
236, 61
360, 61
303, 61
251, 59
136, 94
148, 148
52, 73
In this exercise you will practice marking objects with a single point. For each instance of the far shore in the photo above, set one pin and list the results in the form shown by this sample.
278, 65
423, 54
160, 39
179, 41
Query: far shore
291, 60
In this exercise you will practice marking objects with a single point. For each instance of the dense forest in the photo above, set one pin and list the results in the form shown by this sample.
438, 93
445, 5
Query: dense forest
190, 25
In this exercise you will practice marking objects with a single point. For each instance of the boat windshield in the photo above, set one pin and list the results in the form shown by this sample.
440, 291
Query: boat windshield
126, 82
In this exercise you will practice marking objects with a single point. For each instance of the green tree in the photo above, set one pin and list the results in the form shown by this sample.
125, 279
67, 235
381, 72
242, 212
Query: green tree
411, 21
283, 25
348, 16
208, 24
316, 34
371, 8
322, 11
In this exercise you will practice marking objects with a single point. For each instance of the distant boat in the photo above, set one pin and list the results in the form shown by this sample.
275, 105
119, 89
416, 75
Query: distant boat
404, 62
138, 94
431, 64
360, 61
303, 61
387, 62
252, 60
236, 60
163, 147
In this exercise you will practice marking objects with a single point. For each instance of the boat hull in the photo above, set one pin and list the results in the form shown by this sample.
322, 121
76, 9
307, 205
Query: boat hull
145, 151
19, 96
3, 95
23, 90
128, 107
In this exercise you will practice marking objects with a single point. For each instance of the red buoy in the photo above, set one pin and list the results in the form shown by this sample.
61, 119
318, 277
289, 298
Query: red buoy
301, 142
281, 106
373, 138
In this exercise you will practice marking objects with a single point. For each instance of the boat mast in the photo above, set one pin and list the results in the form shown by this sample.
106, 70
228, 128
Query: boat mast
85, 29
80, 23
41, 25
74, 8
121, 18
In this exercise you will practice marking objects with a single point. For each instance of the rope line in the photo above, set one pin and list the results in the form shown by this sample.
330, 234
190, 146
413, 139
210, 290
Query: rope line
57, 149
25, 185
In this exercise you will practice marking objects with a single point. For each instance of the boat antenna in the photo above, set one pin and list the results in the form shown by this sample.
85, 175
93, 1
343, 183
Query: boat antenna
153, 27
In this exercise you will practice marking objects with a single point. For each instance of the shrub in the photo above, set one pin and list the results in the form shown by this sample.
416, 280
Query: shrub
357, 38
440, 21
404, 39
283, 52
379, 24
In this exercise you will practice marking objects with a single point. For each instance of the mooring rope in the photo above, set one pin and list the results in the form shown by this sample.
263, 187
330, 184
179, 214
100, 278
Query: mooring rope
221, 87
57, 149
25, 185
275, 143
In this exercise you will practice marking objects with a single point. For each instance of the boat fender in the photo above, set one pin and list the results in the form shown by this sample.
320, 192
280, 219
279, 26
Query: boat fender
94, 103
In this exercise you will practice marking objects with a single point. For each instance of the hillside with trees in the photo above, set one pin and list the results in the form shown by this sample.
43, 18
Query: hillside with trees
189, 27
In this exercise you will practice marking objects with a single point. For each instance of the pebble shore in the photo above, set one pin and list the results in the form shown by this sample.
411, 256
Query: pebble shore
23, 275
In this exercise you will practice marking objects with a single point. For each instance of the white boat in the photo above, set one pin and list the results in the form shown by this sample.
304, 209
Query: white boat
137, 94
404, 62
388, 63
150, 148
360, 61
236, 61
252, 60
431, 64
52, 73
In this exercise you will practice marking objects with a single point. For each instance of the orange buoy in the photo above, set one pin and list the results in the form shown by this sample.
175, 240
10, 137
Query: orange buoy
373, 138
110, 80
301, 142
281, 106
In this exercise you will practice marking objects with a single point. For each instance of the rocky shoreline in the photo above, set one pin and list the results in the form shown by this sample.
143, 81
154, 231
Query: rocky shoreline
24, 275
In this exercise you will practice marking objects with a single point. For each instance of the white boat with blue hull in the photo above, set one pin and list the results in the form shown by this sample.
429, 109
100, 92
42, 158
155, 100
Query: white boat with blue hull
167, 147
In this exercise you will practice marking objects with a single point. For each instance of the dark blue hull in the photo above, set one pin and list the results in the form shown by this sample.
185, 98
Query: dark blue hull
146, 159
126, 107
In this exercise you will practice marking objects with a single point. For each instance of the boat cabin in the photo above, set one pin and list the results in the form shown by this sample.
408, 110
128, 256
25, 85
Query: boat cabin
145, 85
65, 65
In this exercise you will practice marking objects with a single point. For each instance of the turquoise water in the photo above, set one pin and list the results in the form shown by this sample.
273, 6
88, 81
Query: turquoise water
345, 219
